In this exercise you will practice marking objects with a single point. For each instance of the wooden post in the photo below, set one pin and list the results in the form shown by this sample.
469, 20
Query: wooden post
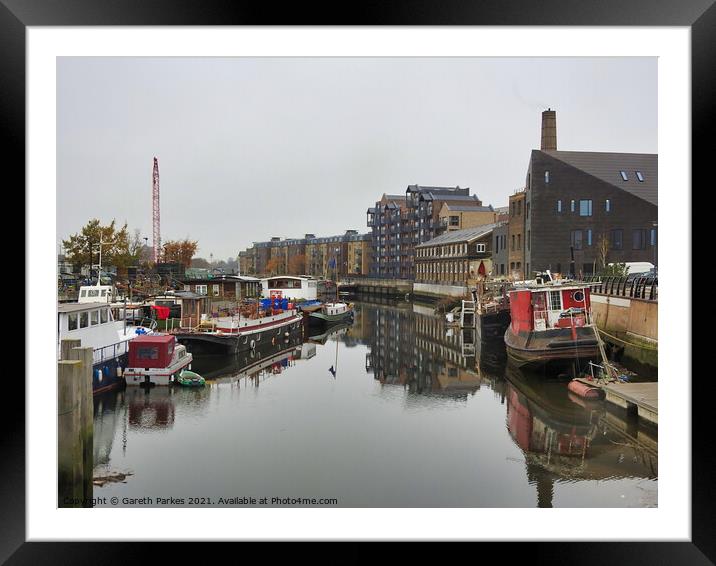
66, 347
69, 449
86, 431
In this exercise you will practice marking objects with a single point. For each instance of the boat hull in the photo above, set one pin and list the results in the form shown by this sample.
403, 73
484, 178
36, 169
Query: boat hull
105, 374
231, 343
322, 318
160, 376
554, 349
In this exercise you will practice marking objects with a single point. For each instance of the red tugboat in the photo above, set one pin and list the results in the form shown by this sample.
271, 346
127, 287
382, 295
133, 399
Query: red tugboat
551, 325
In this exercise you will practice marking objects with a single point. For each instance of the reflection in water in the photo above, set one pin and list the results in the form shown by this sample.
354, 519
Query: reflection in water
567, 438
406, 380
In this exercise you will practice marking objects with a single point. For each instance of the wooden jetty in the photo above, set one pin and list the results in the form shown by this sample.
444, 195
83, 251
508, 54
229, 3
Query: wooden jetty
629, 396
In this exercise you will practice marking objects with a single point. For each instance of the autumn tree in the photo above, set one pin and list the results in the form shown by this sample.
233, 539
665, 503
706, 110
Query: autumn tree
83, 247
179, 251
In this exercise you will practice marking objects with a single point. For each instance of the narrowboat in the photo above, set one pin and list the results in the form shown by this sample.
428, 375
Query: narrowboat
267, 321
156, 359
551, 325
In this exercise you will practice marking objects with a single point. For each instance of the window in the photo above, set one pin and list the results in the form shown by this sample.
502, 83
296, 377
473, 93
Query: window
608, 205
480, 248
72, 321
94, 317
83, 293
639, 176
624, 175
84, 320
148, 353
559, 206
201, 289
519, 241
589, 237
638, 239
513, 242
555, 300
576, 239
652, 237
585, 208
454, 221
546, 177
572, 205
617, 237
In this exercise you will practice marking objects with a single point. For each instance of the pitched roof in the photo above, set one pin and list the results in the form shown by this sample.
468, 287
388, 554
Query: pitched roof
608, 168
465, 235
466, 208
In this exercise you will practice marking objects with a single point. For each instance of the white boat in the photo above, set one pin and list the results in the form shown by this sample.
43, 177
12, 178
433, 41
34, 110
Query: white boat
332, 312
156, 359
91, 321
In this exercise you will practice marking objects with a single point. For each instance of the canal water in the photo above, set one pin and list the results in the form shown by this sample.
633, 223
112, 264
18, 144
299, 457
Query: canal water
397, 410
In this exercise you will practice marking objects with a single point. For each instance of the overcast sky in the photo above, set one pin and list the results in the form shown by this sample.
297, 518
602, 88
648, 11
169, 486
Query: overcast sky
251, 148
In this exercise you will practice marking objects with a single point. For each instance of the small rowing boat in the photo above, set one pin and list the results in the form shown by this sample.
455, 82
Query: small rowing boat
190, 379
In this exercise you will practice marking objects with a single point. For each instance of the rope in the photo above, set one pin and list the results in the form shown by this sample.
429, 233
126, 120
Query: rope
642, 346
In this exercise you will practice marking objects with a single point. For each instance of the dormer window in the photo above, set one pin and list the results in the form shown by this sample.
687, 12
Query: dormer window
624, 175
639, 176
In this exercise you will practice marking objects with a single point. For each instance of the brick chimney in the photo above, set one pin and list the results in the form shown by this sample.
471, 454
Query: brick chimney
549, 130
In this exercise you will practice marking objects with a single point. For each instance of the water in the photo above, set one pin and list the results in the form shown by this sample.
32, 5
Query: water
408, 420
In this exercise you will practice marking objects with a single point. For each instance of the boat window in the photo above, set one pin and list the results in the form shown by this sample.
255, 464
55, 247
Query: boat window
104, 292
84, 320
93, 293
555, 300
148, 353
578, 296
103, 316
83, 293
72, 321
94, 317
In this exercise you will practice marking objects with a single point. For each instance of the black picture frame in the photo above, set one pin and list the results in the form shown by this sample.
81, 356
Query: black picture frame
17, 15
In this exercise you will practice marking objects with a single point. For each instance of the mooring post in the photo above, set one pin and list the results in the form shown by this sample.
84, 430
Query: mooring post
66, 347
70, 491
85, 355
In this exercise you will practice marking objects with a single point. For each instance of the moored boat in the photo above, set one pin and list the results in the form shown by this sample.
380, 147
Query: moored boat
156, 359
271, 322
91, 321
190, 379
332, 313
551, 325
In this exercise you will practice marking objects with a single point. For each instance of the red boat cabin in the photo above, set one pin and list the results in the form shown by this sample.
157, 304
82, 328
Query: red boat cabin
151, 351
544, 308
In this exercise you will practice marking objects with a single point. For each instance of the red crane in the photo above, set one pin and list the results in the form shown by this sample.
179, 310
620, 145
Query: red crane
156, 234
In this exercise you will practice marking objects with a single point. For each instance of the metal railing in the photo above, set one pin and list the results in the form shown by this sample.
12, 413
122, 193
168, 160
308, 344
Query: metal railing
646, 287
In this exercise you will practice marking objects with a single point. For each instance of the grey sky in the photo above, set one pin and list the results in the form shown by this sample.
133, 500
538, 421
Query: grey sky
251, 148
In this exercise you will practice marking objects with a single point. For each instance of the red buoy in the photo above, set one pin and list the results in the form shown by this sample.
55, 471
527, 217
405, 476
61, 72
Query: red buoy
584, 390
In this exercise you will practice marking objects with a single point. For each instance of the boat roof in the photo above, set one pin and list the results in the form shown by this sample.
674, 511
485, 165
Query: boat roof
152, 339
299, 277
548, 285
77, 307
